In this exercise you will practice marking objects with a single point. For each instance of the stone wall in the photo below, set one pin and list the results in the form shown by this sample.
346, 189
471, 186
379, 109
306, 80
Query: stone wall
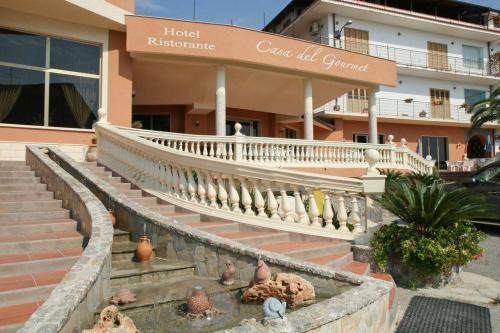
367, 299
71, 305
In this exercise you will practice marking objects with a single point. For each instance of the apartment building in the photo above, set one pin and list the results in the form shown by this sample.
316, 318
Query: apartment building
447, 55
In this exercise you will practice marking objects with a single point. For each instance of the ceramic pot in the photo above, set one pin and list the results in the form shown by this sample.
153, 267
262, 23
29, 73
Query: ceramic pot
112, 217
197, 301
144, 249
227, 277
262, 273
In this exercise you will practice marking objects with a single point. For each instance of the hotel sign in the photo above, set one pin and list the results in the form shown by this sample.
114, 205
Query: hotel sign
221, 43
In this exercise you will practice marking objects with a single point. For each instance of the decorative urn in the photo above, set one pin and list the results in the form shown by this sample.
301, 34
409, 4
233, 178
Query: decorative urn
262, 273
144, 249
197, 301
227, 277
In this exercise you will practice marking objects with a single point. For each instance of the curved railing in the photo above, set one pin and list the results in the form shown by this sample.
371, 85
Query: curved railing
243, 192
287, 153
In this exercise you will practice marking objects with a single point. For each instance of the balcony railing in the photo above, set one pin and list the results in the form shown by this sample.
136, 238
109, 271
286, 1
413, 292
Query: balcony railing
420, 59
401, 108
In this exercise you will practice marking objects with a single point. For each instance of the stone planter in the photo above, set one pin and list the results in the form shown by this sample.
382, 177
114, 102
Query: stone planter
407, 277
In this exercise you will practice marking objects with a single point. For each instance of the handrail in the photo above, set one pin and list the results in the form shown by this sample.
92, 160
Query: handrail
285, 153
254, 194
419, 58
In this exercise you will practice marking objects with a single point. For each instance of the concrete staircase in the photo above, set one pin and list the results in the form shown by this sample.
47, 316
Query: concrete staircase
38, 244
329, 252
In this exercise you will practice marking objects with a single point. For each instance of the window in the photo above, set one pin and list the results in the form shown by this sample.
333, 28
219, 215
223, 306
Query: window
473, 96
357, 40
437, 56
248, 127
473, 57
153, 122
357, 100
46, 81
436, 147
363, 138
290, 133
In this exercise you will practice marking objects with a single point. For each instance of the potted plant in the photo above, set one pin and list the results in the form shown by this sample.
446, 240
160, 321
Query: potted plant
434, 237
437, 101
465, 105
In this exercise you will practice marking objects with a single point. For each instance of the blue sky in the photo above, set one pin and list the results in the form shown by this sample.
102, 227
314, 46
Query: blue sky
247, 13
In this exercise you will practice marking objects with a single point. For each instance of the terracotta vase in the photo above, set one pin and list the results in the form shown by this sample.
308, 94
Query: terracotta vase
144, 249
262, 273
227, 277
197, 301
112, 217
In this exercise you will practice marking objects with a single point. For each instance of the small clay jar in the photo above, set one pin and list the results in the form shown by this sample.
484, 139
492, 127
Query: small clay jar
227, 278
144, 249
112, 217
262, 273
197, 301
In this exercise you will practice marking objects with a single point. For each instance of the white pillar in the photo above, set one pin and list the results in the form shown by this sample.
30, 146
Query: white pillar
372, 116
308, 110
220, 101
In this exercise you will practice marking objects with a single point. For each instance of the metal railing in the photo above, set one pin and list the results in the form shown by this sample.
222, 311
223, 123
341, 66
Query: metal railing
401, 108
420, 59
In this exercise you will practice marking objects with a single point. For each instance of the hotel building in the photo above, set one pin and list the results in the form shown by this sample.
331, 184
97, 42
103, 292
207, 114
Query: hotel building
447, 55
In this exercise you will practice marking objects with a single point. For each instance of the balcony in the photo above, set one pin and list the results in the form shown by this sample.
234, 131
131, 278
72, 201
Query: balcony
421, 59
401, 108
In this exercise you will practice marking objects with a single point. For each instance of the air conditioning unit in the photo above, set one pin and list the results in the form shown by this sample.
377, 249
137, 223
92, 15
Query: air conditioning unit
314, 28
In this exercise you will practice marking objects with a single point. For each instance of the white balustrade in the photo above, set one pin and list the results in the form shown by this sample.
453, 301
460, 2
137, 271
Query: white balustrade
247, 192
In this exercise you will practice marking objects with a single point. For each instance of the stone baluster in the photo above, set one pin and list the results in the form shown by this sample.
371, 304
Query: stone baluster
168, 178
175, 181
212, 149
272, 204
246, 198
285, 207
256, 152
234, 197
183, 184
222, 193
266, 152
211, 191
328, 211
313, 209
300, 209
198, 149
224, 150
192, 187
354, 216
259, 201
205, 148
201, 188
250, 152
342, 213
230, 153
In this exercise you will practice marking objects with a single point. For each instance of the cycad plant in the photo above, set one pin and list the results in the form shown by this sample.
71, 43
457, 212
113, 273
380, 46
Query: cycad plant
428, 207
486, 110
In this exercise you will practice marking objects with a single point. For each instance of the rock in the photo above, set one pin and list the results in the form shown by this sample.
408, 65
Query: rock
123, 296
112, 321
288, 287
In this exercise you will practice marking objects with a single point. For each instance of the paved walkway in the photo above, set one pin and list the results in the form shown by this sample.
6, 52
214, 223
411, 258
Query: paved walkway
480, 283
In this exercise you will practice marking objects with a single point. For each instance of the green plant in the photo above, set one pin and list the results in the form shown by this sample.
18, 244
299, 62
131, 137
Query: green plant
486, 110
424, 178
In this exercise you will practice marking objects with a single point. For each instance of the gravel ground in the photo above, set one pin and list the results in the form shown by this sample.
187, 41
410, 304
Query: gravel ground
488, 265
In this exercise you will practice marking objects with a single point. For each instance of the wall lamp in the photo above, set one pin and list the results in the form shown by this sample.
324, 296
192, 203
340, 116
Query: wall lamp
338, 33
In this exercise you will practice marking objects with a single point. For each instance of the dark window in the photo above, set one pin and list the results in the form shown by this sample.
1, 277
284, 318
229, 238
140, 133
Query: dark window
363, 138
473, 96
437, 148
74, 101
73, 56
290, 133
21, 96
159, 122
248, 128
21, 48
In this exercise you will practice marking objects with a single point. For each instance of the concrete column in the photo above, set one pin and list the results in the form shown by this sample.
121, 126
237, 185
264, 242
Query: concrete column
308, 110
220, 101
372, 116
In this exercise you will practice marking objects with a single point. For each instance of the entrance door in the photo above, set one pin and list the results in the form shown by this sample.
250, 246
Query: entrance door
437, 56
248, 127
437, 148
440, 104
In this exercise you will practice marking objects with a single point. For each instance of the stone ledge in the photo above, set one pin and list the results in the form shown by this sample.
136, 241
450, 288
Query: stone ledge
180, 241
84, 287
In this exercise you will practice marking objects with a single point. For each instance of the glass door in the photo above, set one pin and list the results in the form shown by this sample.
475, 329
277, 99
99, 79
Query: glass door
437, 148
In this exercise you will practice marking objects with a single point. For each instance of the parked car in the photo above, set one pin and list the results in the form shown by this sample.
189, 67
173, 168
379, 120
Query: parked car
486, 181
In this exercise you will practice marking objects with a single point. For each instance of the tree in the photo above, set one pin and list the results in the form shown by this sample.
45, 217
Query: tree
486, 110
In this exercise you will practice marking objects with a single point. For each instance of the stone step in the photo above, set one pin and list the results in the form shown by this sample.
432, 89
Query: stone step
256, 237
22, 188
36, 228
216, 227
157, 270
12, 163
34, 222
121, 236
305, 250
335, 261
19, 180
122, 186
29, 206
184, 217
163, 209
13, 316
112, 180
50, 241
125, 251
16, 173
28, 196
145, 201
357, 267
102, 173
15, 168
133, 194
35, 215
17, 268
